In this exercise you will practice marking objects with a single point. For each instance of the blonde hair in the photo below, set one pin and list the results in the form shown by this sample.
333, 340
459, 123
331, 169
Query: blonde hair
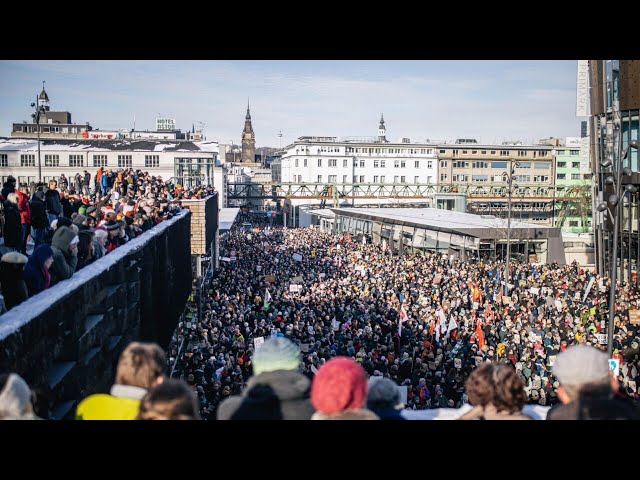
171, 400
140, 365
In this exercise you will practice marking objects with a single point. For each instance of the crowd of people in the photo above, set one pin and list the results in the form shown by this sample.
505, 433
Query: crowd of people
71, 226
333, 297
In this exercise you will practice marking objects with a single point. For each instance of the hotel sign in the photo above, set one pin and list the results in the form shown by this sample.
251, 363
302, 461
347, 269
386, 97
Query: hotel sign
165, 124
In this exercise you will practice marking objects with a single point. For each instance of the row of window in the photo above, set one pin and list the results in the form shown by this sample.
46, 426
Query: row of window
574, 176
564, 164
333, 162
78, 160
361, 179
501, 165
463, 178
503, 153
391, 151
571, 152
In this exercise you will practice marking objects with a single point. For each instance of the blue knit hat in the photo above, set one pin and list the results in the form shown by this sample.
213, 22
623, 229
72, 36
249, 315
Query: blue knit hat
277, 353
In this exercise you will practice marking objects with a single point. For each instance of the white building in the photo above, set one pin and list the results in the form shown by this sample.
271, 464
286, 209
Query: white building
189, 163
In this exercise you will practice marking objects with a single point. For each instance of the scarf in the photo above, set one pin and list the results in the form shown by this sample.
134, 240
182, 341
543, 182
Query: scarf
47, 277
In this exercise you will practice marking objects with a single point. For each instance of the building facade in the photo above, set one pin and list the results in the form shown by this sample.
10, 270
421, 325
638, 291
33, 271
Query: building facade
573, 188
481, 172
614, 122
188, 163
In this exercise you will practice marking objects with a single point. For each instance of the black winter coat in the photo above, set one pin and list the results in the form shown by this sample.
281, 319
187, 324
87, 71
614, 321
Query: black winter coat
52, 200
12, 225
39, 217
13, 287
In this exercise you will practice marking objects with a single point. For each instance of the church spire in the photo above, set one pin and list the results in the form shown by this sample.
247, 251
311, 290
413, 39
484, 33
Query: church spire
248, 139
382, 130
43, 99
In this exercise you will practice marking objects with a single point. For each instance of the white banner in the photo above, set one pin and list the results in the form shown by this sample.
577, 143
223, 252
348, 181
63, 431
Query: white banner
582, 89
297, 257
257, 342
588, 289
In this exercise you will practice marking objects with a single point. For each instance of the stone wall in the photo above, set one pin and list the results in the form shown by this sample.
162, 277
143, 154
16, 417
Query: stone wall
204, 223
66, 340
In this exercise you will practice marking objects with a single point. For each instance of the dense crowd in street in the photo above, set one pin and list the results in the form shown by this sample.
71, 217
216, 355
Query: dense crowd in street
333, 296
71, 225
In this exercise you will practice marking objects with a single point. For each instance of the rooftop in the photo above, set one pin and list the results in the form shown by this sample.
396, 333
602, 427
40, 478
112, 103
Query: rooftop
107, 145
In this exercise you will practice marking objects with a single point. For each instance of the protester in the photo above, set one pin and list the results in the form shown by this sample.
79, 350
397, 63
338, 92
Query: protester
587, 390
52, 201
39, 219
36, 272
12, 282
12, 223
65, 254
15, 398
170, 400
496, 392
86, 249
383, 399
339, 391
277, 391
140, 367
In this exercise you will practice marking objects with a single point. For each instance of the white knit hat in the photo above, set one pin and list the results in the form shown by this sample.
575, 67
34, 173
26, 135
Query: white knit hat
581, 364
15, 399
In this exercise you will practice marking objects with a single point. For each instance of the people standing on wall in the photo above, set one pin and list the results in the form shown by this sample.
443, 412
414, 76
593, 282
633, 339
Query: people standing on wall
39, 220
12, 223
64, 183
52, 201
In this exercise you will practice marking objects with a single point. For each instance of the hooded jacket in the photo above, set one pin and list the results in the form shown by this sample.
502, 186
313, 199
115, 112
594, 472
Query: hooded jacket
33, 274
276, 395
64, 263
14, 288
23, 207
12, 227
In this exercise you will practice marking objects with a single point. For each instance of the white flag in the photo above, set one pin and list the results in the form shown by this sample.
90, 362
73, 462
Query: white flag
452, 326
586, 292
267, 298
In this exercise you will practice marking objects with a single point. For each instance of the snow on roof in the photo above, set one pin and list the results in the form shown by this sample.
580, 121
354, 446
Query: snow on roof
12, 144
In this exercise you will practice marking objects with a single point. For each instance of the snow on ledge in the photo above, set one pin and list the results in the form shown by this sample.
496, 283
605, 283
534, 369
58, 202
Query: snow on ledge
21, 314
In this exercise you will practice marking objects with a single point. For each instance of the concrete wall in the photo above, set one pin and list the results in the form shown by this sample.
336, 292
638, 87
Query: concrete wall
66, 341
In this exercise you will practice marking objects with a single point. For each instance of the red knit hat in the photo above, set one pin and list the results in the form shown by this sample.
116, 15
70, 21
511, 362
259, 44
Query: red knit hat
340, 384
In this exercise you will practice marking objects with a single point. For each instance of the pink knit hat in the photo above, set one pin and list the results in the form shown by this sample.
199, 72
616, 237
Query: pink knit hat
339, 385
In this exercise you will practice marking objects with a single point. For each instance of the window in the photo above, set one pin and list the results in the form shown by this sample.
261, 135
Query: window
522, 153
396, 163
429, 151
480, 164
395, 179
76, 160
297, 162
493, 152
498, 178
542, 165
375, 178
124, 161
429, 164
402, 164
319, 162
484, 152
464, 152
560, 152
355, 179
423, 151
504, 153
362, 163
574, 223
444, 164
498, 164
381, 178
361, 178
344, 179
52, 160
474, 152
355, 162
429, 179
541, 178
575, 164
524, 165
27, 160
376, 163
562, 164
443, 177
562, 176
319, 178
522, 178
333, 162
416, 164
587, 176
149, 161
460, 164
460, 178
333, 179
305, 162
575, 176
574, 152
480, 178
403, 179
345, 162
382, 163
4, 161
416, 179
443, 151
99, 160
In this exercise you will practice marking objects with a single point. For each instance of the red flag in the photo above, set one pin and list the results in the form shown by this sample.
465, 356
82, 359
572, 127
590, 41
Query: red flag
480, 334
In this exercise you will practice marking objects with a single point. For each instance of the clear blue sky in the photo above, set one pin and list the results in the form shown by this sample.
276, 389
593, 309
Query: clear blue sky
492, 101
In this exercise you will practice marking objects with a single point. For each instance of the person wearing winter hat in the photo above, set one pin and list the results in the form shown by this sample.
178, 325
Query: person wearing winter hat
100, 243
173, 399
339, 391
587, 389
15, 398
276, 391
383, 398
36, 273
65, 254
12, 280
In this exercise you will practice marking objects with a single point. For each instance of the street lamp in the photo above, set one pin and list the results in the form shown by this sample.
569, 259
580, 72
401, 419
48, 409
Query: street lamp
615, 201
39, 111
509, 177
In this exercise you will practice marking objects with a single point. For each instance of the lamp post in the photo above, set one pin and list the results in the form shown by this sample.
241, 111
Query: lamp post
39, 111
509, 178
615, 201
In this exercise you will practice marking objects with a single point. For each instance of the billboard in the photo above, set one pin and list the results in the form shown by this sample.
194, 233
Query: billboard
582, 89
